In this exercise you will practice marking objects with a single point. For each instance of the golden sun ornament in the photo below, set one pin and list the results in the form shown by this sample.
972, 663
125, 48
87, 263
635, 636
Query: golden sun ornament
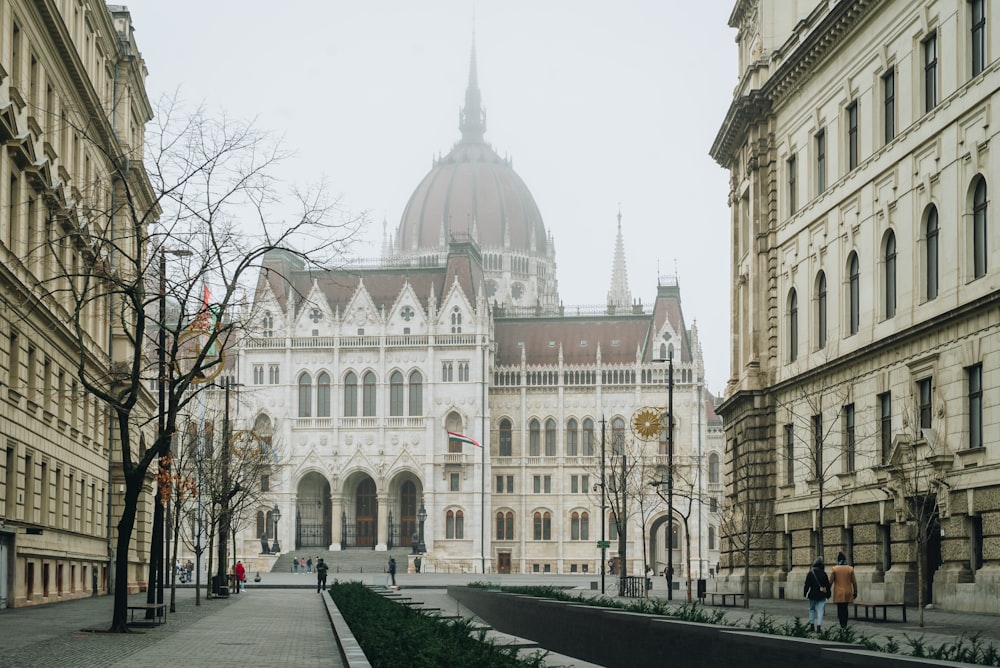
646, 423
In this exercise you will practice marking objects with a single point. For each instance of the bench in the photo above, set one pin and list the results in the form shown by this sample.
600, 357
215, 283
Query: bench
873, 608
723, 595
159, 612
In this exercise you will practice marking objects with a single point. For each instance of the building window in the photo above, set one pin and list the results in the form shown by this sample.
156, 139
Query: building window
931, 253
817, 424
974, 375
789, 454
323, 395
272, 375
711, 537
350, 395
793, 202
793, 325
588, 438
890, 275
821, 310
854, 293
505, 525
454, 525
542, 526
368, 394
820, 162
849, 443
550, 438
265, 483
447, 372
713, 468
305, 395
456, 321
925, 395
979, 230
505, 438
463, 372
396, 394
852, 135
267, 325
416, 394
978, 10
889, 106
618, 436
499, 484
885, 425
930, 73
579, 526
534, 438
454, 483
571, 437
976, 526
258, 374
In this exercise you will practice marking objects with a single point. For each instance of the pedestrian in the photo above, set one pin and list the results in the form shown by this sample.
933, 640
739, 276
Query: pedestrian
309, 565
321, 569
295, 565
392, 570
241, 576
845, 587
817, 590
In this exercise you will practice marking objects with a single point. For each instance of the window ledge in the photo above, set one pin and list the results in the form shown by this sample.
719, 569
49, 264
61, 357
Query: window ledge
787, 490
972, 456
847, 479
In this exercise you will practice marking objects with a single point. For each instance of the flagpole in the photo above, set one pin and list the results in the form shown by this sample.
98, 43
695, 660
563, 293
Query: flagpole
482, 437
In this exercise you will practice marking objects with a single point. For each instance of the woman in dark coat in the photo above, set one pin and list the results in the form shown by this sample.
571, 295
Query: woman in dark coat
817, 590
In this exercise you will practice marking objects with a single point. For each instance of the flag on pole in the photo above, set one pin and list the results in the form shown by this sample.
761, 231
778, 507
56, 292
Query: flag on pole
464, 439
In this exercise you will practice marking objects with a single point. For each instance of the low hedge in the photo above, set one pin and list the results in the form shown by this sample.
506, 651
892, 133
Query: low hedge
393, 635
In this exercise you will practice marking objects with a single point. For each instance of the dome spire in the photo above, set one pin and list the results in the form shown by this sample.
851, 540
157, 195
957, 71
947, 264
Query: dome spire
472, 118
619, 295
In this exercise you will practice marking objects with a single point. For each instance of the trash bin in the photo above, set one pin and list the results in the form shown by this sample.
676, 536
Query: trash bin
702, 587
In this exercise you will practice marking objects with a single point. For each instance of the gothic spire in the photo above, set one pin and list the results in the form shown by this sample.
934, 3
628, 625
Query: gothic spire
619, 295
472, 117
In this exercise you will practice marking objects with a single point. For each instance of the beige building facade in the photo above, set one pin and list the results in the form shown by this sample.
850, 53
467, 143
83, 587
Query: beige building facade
864, 394
72, 108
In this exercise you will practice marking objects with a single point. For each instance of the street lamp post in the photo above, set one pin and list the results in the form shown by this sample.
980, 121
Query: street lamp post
421, 517
670, 472
275, 515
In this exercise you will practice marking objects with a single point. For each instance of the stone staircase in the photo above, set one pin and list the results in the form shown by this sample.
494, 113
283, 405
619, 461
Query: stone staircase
351, 560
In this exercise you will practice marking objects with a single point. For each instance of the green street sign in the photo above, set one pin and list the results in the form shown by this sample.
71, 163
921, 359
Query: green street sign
603, 544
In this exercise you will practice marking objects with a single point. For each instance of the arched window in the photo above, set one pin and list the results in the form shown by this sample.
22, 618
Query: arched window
618, 436
542, 526
459, 524
505, 525
584, 526
793, 325
711, 538
550, 438
368, 394
396, 394
505, 438
416, 394
305, 395
979, 256
350, 395
821, 310
931, 253
890, 274
323, 395
456, 321
713, 467
571, 437
854, 292
579, 523
261, 528
534, 438
449, 524
588, 438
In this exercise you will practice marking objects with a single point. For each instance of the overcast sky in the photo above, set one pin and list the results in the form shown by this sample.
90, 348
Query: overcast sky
598, 103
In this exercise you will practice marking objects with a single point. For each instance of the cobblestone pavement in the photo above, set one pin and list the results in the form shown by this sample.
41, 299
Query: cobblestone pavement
273, 627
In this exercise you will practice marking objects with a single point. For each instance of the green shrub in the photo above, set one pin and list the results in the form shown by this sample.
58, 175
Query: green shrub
394, 635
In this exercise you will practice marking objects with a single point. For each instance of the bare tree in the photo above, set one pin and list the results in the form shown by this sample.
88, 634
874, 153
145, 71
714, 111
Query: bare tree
685, 489
209, 198
746, 515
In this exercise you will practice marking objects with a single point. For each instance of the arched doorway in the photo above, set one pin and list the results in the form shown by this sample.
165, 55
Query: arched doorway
407, 513
366, 516
658, 545
313, 521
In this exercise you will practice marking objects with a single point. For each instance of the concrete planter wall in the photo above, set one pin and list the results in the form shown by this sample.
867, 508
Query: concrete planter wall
614, 638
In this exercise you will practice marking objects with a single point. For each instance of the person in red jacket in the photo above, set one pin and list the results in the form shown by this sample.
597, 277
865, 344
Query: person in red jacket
241, 576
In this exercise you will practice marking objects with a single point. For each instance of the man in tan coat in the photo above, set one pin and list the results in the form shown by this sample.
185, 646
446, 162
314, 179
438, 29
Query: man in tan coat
845, 587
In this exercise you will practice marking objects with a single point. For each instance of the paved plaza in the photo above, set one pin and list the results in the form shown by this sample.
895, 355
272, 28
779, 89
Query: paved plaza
282, 622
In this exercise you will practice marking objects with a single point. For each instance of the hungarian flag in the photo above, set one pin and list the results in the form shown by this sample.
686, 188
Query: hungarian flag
463, 438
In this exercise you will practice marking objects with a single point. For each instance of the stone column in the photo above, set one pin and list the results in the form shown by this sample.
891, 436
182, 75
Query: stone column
383, 523
336, 510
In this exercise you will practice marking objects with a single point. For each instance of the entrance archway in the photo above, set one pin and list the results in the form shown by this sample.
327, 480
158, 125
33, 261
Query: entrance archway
313, 521
366, 517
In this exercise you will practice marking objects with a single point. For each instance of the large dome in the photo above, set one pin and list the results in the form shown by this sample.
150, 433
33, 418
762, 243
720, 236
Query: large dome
473, 193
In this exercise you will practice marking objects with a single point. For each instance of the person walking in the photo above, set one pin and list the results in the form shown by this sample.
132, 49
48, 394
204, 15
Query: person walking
295, 565
845, 587
392, 570
817, 590
321, 570
309, 565
241, 576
